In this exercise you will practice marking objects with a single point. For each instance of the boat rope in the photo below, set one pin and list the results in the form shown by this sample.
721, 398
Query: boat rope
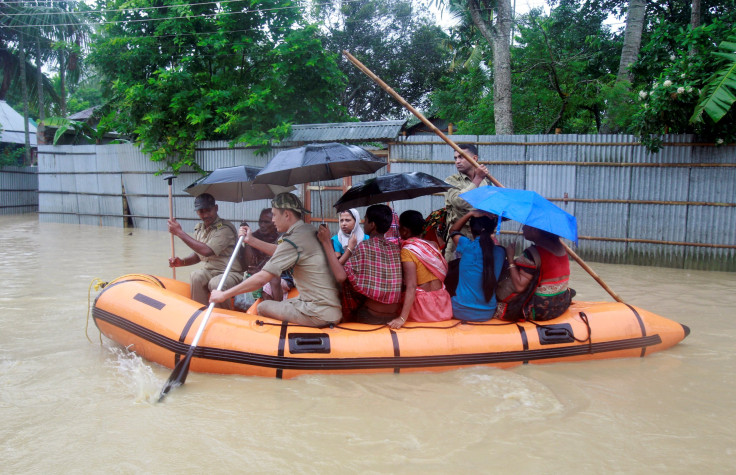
384, 326
587, 339
97, 284
144, 277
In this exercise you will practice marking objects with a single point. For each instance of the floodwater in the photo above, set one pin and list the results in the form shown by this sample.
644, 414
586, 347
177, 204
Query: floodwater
71, 405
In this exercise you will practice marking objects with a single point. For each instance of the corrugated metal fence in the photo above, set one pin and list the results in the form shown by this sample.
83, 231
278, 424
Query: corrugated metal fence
18, 190
675, 208
117, 185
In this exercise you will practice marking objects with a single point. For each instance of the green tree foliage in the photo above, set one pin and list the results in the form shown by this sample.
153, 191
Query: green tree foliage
671, 98
562, 65
397, 40
190, 71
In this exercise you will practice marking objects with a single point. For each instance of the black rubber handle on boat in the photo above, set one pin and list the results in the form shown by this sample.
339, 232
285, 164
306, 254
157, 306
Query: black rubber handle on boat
181, 370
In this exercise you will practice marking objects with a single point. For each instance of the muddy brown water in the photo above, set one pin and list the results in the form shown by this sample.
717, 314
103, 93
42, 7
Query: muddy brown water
69, 405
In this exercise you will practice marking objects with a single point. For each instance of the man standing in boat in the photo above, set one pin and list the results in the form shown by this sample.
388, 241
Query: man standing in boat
467, 178
213, 243
318, 303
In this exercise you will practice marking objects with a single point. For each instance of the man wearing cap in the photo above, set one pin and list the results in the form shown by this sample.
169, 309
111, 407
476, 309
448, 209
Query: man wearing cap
213, 243
318, 303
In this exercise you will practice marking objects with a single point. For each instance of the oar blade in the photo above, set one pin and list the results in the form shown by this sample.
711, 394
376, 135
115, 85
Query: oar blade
178, 376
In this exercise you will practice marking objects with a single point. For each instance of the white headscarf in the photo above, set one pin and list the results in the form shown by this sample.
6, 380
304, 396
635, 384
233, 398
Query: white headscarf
357, 230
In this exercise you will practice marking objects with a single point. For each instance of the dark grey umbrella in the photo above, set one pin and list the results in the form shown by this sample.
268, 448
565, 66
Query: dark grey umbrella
235, 184
391, 187
318, 162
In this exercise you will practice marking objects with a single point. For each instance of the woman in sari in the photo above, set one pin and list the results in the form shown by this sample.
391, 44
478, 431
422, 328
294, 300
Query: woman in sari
545, 268
424, 269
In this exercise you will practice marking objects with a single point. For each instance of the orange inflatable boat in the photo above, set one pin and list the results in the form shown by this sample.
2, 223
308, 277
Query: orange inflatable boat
154, 317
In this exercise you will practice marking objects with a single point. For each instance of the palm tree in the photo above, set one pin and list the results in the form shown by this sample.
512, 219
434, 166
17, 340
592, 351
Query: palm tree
55, 28
57, 33
632, 38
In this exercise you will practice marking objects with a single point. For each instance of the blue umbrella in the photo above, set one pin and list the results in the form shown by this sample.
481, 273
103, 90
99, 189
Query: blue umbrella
524, 206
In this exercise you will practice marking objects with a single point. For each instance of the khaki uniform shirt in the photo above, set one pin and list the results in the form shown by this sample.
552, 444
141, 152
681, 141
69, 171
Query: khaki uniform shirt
458, 207
221, 237
319, 295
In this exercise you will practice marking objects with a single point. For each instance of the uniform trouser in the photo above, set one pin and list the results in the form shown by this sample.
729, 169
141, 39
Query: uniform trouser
286, 312
204, 281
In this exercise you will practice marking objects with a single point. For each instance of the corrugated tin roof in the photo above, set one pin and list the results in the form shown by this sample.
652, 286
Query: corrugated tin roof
85, 114
346, 131
13, 130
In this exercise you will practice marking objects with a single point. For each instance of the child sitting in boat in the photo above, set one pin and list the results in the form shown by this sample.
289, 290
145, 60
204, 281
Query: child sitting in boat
371, 275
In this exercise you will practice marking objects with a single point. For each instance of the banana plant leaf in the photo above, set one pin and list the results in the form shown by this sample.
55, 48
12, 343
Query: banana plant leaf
719, 92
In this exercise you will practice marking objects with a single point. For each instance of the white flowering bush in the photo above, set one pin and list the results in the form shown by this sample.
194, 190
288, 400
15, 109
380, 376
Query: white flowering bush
667, 103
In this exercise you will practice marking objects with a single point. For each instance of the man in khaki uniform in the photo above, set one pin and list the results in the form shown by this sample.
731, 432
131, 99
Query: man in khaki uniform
467, 178
213, 242
318, 303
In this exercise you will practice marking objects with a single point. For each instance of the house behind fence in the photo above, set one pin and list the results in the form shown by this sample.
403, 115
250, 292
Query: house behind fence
676, 208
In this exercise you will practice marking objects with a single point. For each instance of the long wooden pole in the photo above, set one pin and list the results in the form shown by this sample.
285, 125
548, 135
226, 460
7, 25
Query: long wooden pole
169, 179
470, 159
418, 114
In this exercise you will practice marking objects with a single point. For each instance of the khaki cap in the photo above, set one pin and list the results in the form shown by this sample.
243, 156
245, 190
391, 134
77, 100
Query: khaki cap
288, 201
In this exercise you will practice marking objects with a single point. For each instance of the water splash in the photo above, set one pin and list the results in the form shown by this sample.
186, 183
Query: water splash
135, 374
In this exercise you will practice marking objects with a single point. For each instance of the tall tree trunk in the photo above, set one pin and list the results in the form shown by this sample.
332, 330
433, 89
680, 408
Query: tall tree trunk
24, 89
694, 21
39, 86
695, 14
498, 36
502, 69
62, 83
632, 38
629, 53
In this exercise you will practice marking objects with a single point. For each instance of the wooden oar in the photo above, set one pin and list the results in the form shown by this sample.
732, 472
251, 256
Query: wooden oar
169, 179
470, 159
181, 370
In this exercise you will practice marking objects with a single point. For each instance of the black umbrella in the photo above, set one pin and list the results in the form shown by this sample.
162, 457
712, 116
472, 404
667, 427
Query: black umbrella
318, 162
235, 184
391, 187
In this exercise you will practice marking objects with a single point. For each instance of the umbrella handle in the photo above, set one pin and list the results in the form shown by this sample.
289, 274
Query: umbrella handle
470, 159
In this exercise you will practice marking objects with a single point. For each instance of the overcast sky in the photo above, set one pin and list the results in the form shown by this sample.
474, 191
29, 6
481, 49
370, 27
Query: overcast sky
523, 6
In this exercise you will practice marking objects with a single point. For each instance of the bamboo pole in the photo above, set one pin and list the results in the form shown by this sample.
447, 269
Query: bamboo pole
418, 114
170, 179
470, 159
